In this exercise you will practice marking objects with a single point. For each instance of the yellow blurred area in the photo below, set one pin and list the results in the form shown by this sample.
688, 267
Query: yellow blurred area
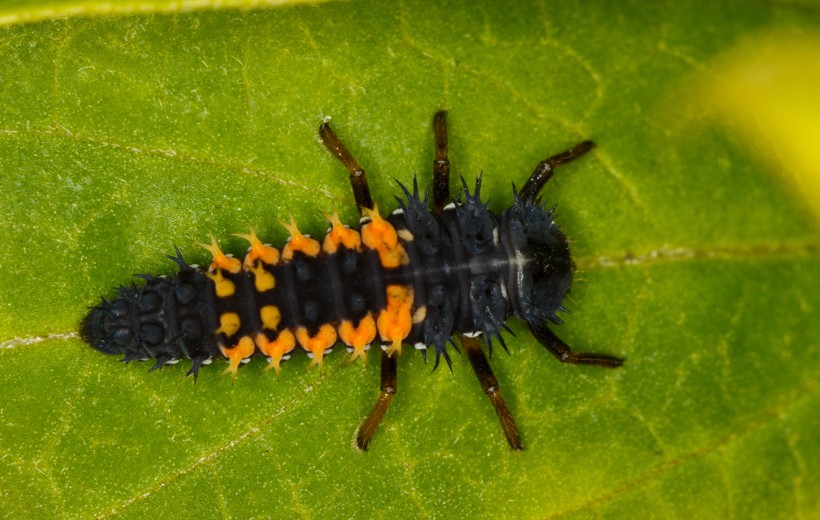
768, 90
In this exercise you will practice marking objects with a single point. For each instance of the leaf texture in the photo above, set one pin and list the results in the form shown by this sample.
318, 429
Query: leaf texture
122, 136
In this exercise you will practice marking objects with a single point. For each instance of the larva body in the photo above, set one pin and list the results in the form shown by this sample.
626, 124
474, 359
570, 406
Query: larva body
416, 277
465, 271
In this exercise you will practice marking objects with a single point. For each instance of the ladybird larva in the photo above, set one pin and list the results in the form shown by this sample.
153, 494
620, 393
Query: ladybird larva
415, 277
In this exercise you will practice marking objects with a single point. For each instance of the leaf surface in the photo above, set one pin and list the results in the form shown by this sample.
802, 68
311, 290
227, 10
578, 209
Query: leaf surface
123, 136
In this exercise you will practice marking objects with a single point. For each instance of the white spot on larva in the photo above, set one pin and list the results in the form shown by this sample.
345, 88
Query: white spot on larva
285, 357
195, 266
172, 362
398, 211
207, 361
495, 236
246, 360
420, 346
474, 334
420, 314
364, 220
405, 235
451, 205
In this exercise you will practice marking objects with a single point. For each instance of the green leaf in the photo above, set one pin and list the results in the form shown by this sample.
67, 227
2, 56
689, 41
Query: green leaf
123, 136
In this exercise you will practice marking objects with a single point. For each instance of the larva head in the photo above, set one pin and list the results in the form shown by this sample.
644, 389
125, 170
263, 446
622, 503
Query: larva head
540, 265
102, 329
131, 324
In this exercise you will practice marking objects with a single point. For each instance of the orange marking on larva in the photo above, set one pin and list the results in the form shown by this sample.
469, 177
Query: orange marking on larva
221, 260
228, 324
284, 343
340, 235
258, 251
270, 316
222, 286
381, 236
358, 337
263, 280
317, 344
243, 349
298, 242
395, 321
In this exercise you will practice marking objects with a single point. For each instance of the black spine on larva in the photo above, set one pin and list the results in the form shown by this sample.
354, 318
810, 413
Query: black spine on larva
430, 273
478, 230
458, 269
471, 268
166, 319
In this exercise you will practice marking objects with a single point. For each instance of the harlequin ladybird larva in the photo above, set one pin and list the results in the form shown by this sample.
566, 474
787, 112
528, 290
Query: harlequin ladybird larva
416, 277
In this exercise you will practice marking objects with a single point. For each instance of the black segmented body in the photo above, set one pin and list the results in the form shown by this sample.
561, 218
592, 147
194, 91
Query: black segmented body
469, 268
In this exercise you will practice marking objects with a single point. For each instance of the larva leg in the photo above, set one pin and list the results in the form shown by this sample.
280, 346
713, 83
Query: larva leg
564, 353
358, 178
441, 164
388, 389
361, 192
489, 384
546, 168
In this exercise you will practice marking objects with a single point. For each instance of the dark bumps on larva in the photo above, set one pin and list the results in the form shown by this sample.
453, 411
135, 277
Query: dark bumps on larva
424, 275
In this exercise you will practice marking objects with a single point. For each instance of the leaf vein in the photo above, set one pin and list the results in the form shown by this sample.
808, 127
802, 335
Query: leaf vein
33, 340
666, 254
250, 433
60, 132
775, 413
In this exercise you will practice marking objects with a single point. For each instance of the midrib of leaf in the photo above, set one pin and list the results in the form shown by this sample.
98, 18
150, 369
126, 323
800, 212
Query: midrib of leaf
808, 247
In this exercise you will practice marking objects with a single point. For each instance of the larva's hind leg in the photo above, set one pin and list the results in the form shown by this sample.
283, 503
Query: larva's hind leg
389, 366
387, 391
489, 383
